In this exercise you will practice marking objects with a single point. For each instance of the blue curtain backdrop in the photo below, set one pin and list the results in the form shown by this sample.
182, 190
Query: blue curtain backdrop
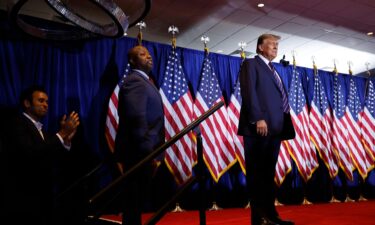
81, 75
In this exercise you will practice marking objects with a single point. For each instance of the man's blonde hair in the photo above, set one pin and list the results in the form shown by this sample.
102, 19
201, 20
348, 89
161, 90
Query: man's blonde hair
263, 37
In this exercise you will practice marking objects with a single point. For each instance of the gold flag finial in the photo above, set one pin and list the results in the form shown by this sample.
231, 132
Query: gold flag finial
173, 29
243, 55
205, 40
314, 65
294, 58
334, 66
367, 64
350, 64
242, 46
141, 25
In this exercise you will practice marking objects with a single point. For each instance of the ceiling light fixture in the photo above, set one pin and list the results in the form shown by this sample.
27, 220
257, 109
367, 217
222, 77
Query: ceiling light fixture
115, 28
370, 33
260, 5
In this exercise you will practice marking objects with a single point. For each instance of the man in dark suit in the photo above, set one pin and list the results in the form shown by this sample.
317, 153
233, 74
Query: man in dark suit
264, 122
140, 131
31, 154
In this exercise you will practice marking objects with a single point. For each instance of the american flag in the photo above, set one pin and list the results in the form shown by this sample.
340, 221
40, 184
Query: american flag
340, 137
234, 108
112, 119
320, 130
368, 120
301, 149
218, 148
284, 165
361, 159
178, 110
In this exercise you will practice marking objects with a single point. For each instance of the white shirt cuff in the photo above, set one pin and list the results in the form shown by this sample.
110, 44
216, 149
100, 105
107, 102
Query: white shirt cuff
67, 147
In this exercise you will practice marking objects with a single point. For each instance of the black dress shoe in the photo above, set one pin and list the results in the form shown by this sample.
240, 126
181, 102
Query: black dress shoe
279, 221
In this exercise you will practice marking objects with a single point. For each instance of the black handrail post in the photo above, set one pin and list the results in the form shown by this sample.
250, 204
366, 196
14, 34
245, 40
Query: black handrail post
163, 210
200, 175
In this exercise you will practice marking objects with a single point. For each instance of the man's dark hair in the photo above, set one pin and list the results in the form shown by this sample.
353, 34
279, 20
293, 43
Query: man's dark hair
27, 94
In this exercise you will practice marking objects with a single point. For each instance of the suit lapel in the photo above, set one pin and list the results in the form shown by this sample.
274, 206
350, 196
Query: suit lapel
268, 70
147, 81
33, 129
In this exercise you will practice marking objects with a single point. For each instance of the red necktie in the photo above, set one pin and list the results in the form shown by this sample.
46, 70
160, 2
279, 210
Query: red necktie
151, 80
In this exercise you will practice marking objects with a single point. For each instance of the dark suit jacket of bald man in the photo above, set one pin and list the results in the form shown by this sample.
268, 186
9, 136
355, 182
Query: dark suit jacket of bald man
141, 119
140, 131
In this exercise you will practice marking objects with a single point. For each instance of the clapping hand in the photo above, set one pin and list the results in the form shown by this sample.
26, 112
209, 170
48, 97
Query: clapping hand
69, 126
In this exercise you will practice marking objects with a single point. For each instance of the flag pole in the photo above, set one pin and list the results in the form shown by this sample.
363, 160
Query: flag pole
367, 68
305, 200
350, 64
333, 198
347, 198
334, 67
141, 25
174, 30
361, 197
242, 46
205, 39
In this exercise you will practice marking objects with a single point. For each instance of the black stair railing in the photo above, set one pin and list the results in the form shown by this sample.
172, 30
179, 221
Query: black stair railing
106, 201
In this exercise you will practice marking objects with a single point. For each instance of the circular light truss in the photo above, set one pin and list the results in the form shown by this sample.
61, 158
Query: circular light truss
48, 32
85, 26
116, 28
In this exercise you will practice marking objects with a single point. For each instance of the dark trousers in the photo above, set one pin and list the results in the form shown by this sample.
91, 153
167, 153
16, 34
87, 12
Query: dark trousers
261, 157
137, 190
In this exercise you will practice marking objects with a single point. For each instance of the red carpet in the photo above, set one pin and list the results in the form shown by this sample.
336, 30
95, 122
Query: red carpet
355, 213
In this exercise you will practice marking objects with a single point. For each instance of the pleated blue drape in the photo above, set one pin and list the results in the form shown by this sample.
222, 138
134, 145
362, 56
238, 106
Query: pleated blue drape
81, 75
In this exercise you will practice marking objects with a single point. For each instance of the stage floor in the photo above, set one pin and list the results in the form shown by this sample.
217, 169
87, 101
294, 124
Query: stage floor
348, 213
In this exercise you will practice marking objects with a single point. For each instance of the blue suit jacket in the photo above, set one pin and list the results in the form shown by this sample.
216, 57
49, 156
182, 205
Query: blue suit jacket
261, 100
141, 120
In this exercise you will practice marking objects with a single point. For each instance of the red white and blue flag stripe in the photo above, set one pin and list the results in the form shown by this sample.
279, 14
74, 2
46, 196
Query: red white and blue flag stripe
178, 110
217, 135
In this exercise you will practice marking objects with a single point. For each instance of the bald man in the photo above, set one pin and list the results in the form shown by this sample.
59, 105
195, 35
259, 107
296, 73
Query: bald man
140, 131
